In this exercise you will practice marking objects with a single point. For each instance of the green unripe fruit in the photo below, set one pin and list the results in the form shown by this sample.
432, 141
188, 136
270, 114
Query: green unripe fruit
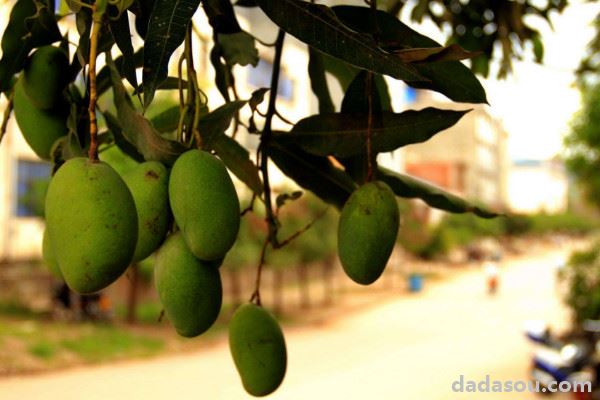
205, 204
367, 232
45, 77
189, 289
149, 186
118, 159
258, 349
39, 128
92, 224
49, 257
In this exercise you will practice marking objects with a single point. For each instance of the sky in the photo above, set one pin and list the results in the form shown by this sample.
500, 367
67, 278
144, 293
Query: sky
537, 102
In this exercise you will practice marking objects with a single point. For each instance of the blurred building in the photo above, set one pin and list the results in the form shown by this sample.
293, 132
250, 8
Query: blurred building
469, 159
538, 186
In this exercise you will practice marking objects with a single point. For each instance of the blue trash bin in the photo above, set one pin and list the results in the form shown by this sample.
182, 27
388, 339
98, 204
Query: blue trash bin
415, 282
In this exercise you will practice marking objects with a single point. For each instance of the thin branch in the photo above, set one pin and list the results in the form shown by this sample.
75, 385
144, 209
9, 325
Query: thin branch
369, 127
281, 117
255, 298
97, 25
250, 206
301, 231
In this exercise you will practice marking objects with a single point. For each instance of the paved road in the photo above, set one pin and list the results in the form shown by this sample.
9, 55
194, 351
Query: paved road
412, 347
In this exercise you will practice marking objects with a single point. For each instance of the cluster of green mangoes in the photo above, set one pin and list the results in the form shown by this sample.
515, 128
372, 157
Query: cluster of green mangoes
367, 231
100, 221
40, 108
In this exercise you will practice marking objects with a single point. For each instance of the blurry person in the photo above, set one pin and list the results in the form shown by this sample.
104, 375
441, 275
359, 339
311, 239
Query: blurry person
491, 271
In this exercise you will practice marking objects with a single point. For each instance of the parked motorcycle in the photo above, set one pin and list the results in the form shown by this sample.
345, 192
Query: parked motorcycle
573, 359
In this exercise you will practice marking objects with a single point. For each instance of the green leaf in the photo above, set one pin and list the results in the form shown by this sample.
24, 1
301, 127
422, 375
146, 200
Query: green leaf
217, 122
318, 81
122, 35
221, 16
104, 79
237, 159
410, 187
143, 10
238, 48
138, 130
31, 24
171, 83
112, 123
166, 31
166, 121
314, 173
451, 78
317, 26
343, 135
434, 54
356, 99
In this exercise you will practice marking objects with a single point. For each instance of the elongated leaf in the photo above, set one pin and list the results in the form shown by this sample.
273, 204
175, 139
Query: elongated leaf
217, 122
318, 81
410, 187
237, 159
31, 24
142, 10
138, 130
221, 16
314, 173
122, 35
122, 143
434, 54
343, 135
317, 26
238, 48
450, 78
166, 31
104, 80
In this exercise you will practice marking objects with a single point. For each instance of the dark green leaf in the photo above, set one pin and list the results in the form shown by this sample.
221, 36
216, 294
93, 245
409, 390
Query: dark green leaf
258, 96
112, 123
104, 80
216, 122
246, 3
237, 159
31, 24
143, 10
171, 83
410, 187
450, 78
318, 81
317, 26
122, 35
138, 130
221, 16
166, 31
434, 54
314, 173
83, 22
238, 48
343, 135
356, 99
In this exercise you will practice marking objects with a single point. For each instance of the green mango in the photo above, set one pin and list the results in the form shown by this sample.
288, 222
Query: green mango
367, 231
205, 204
189, 289
258, 349
117, 158
40, 128
45, 77
49, 257
92, 224
149, 186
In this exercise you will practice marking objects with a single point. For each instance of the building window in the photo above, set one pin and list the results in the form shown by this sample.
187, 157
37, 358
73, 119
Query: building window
260, 77
32, 182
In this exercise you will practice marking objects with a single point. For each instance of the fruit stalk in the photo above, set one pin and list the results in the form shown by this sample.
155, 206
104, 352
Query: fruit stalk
98, 13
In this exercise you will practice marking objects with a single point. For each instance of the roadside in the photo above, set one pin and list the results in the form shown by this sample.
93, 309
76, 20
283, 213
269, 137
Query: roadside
32, 343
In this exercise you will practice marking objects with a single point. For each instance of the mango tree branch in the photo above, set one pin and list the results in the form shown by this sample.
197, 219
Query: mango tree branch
98, 10
264, 161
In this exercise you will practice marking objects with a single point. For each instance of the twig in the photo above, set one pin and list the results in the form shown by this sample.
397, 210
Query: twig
281, 117
250, 206
98, 15
301, 231
266, 136
369, 127
255, 298
6, 117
